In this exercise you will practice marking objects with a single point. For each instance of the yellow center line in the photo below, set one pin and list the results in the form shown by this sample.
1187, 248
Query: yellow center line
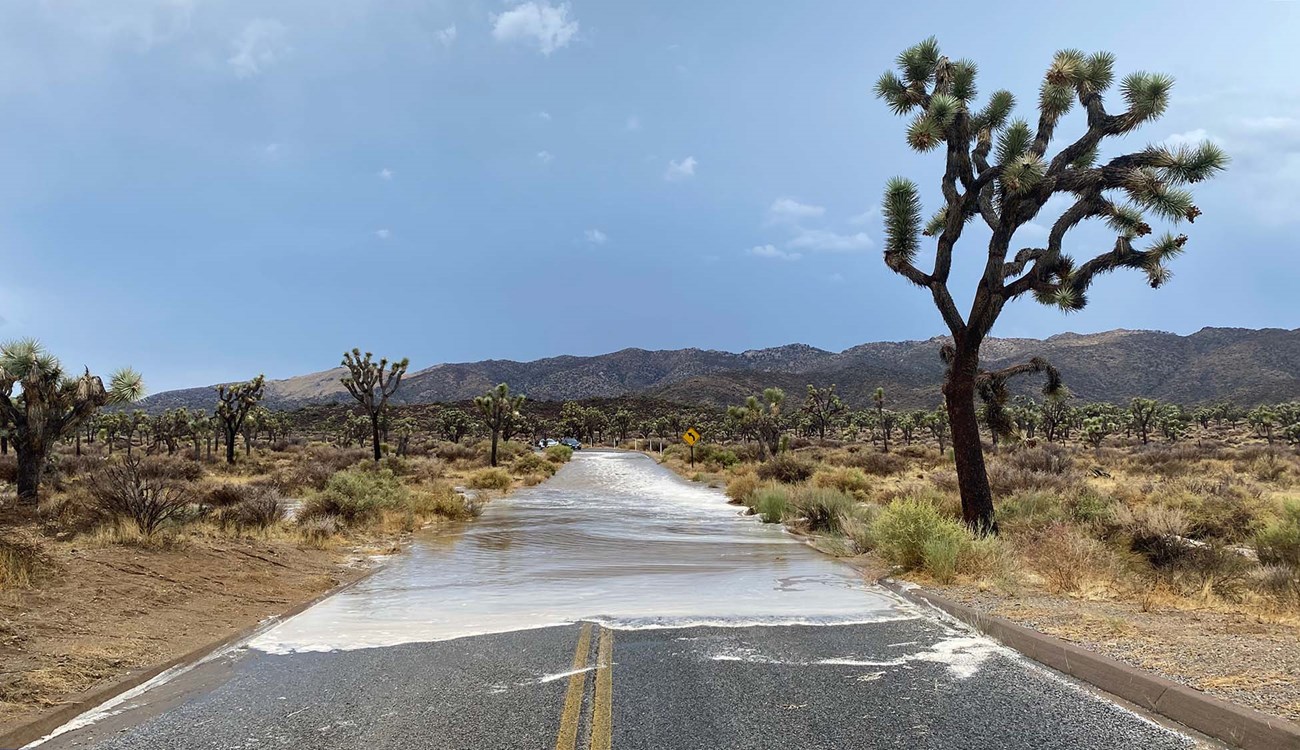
602, 711
568, 737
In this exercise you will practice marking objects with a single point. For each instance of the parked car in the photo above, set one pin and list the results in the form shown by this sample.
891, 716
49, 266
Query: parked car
547, 443
572, 443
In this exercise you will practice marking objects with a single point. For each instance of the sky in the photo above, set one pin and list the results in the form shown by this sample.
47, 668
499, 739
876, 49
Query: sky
209, 189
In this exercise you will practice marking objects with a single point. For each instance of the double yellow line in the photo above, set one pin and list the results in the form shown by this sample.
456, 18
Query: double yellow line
602, 703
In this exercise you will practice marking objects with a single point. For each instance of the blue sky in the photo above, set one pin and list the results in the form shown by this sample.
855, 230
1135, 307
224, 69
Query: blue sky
207, 190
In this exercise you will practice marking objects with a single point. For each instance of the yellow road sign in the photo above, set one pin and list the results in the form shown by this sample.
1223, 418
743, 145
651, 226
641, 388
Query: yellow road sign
691, 436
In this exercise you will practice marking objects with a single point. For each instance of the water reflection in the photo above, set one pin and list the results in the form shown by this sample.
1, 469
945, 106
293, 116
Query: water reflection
612, 537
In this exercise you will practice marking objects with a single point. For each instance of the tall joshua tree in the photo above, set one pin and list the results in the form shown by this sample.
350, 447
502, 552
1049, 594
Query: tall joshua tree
372, 383
1002, 171
50, 404
498, 408
824, 407
234, 401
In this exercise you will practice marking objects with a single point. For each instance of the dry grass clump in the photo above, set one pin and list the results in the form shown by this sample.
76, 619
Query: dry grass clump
1064, 556
491, 479
1046, 467
259, 508
1278, 543
874, 463
741, 486
785, 467
907, 531
535, 464
558, 454
19, 560
843, 478
124, 491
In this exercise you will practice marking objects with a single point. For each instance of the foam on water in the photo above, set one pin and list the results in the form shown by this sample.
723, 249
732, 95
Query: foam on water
614, 538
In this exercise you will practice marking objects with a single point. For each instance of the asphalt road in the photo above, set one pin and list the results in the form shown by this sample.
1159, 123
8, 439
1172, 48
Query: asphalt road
354, 674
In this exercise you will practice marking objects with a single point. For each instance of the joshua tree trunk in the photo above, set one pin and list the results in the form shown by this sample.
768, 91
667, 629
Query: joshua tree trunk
495, 435
230, 445
968, 454
374, 438
31, 464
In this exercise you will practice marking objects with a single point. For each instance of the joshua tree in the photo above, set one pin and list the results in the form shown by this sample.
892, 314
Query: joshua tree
622, 422
234, 401
498, 407
999, 171
1142, 413
453, 424
824, 407
762, 419
372, 383
50, 404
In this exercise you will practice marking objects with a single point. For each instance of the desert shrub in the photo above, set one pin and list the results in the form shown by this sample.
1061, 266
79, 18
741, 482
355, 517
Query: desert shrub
356, 496
334, 458
317, 531
18, 563
903, 528
1064, 556
558, 454
986, 557
1040, 459
741, 486
1211, 568
772, 503
944, 480
491, 479
303, 474
876, 464
1007, 477
260, 508
533, 463
857, 527
443, 501
823, 509
1029, 510
1156, 532
713, 454
1090, 507
1278, 543
121, 491
785, 467
1168, 460
171, 467
844, 479
225, 495
448, 451
940, 555
72, 465
1282, 582
1267, 468
507, 451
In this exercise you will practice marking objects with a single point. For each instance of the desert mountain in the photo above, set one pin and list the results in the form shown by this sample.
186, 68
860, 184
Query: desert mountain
1243, 365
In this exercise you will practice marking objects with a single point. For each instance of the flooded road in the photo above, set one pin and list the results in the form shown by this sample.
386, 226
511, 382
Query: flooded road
614, 606
613, 538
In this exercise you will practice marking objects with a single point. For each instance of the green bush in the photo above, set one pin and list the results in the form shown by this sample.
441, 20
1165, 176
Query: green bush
741, 487
772, 503
823, 509
442, 501
559, 454
356, 496
1030, 509
711, 454
903, 528
491, 479
533, 463
940, 555
1278, 543
785, 468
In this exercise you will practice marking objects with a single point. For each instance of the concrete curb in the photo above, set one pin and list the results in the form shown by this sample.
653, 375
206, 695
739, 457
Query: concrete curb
1240, 727
78, 705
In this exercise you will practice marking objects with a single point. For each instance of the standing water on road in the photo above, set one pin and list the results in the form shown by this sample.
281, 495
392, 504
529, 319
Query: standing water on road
613, 537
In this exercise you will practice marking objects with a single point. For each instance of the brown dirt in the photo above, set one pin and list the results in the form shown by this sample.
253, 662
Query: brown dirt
95, 613
1247, 659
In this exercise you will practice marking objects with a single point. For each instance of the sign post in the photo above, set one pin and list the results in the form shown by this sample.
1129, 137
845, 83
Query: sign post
691, 437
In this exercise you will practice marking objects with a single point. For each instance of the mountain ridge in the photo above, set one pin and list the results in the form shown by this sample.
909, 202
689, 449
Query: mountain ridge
1241, 364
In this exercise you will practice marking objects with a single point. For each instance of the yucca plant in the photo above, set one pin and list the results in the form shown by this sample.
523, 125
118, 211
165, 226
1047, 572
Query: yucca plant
498, 409
42, 404
1002, 171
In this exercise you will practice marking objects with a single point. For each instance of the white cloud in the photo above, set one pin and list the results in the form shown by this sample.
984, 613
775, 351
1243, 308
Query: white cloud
447, 36
272, 150
791, 211
548, 26
545, 157
680, 170
385, 174
596, 237
772, 251
1190, 138
546, 116
866, 217
825, 239
259, 45
633, 123
383, 234
836, 278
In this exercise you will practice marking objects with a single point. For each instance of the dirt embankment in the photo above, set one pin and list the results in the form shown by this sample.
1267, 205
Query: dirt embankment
96, 613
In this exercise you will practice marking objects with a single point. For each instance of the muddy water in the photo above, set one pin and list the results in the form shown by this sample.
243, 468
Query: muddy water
613, 537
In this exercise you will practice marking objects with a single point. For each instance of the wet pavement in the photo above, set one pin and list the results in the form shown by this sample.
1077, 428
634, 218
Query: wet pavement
616, 606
